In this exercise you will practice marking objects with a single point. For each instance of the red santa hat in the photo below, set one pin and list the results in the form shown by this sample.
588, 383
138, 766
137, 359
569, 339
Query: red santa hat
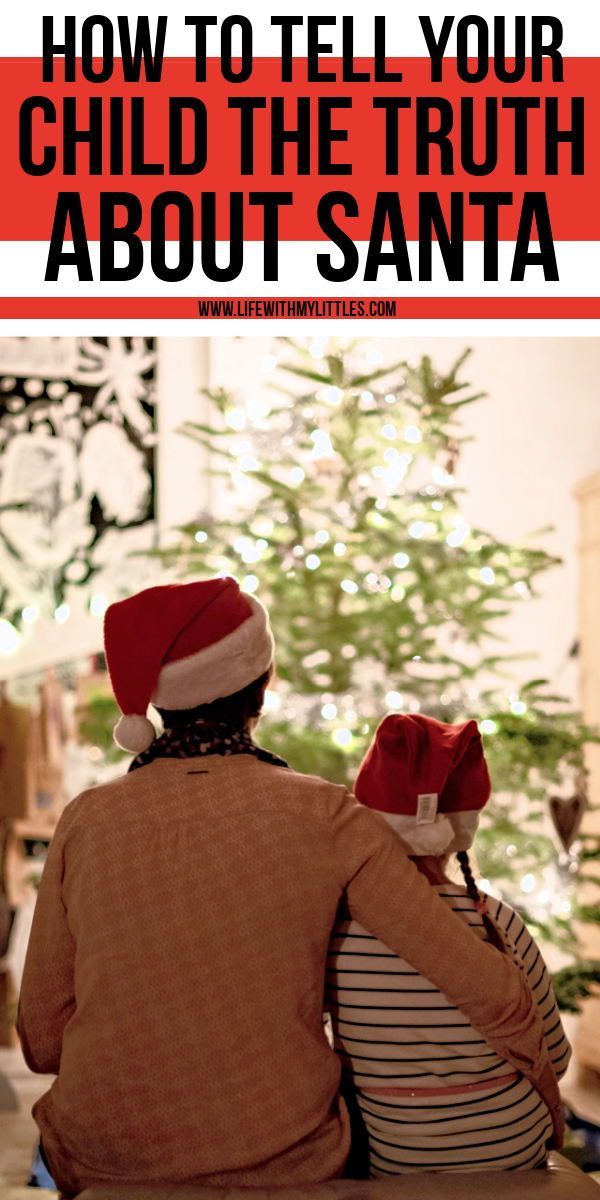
181, 645
429, 780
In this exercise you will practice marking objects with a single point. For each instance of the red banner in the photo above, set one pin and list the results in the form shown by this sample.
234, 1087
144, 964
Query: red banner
258, 308
28, 202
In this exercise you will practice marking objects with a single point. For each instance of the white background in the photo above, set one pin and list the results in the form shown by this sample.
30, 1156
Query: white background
21, 25
22, 264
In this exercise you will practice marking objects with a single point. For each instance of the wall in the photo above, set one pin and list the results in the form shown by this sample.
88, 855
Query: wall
182, 484
77, 438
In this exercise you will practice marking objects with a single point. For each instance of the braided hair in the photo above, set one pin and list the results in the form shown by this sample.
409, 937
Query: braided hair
492, 931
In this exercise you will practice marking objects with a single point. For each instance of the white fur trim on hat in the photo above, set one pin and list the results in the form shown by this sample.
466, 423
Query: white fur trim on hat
447, 834
134, 733
464, 825
221, 669
425, 837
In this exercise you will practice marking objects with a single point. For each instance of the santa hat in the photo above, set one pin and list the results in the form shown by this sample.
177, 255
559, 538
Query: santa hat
181, 645
429, 780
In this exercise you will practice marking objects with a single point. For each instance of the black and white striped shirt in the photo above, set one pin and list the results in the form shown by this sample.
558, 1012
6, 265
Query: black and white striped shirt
394, 1029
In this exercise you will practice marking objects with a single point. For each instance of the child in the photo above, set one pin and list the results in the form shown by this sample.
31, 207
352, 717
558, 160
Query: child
433, 1094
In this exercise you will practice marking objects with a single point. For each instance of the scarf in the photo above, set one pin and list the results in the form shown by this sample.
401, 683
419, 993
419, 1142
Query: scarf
200, 738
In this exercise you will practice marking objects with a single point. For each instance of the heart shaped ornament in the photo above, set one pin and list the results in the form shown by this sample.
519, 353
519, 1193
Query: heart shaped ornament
567, 816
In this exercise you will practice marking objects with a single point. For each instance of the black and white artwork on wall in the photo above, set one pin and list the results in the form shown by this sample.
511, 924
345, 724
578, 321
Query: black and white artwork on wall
77, 478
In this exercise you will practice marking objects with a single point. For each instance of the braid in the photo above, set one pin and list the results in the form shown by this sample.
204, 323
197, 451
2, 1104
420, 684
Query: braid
474, 894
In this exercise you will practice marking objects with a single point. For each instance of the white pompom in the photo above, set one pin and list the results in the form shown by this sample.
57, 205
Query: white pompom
134, 733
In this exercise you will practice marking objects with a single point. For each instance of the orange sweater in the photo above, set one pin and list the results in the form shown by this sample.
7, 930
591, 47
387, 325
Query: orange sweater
174, 977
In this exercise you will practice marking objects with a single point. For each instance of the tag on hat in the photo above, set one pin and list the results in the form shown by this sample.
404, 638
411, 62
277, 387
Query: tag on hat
426, 808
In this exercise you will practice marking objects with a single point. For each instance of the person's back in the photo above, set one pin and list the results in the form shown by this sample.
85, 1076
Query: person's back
201, 897
432, 1093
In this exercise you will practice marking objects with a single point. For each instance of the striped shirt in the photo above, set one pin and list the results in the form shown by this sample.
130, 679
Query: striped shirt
394, 1029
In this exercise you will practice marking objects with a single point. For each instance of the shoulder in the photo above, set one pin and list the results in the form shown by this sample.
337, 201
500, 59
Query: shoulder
311, 790
96, 800
310, 784
512, 924
503, 914
330, 803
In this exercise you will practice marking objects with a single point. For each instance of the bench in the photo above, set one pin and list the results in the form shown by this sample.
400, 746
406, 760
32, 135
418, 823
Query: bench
561, 1180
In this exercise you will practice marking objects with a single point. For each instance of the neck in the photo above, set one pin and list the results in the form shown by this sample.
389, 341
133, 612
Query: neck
183, 718
433, 868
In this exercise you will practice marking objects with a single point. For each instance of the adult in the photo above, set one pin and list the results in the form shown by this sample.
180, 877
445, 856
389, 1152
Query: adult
175, 972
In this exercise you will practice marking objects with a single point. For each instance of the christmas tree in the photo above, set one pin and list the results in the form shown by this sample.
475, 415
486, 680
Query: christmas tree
340, 487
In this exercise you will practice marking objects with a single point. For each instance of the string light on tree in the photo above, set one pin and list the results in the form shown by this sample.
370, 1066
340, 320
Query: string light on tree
318, 347
413, 435
9, 637
417, 529
98, 605
250, 583
333, 395
236, 418
488, 726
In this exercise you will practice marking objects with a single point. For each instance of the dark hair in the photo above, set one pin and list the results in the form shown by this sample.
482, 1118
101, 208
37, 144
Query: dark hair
237, 709
493, 933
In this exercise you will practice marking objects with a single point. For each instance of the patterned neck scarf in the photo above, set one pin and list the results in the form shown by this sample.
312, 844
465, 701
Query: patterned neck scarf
200, 738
